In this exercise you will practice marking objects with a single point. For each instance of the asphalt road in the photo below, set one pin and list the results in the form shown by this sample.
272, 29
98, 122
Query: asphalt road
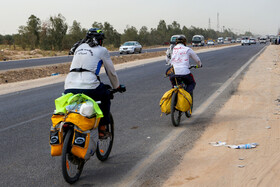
9, 65
139, 127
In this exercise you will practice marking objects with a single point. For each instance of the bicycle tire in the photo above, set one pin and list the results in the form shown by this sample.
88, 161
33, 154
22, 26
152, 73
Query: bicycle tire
175, 114
68, 159
104, 146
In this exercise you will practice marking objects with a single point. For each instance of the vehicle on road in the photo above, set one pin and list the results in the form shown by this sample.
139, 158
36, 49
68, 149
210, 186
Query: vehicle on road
228, 39
130, 47
245, 40
253, 41
238, 40
198, 40
174, 37
233, 40
210, 42
263, 40
78, 136
220, 40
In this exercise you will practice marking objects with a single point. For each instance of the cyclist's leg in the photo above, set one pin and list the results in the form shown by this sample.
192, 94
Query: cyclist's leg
102, 94
190, 85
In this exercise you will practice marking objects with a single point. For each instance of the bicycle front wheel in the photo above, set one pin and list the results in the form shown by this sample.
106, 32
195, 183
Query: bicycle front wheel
72, 166
104, 146
175, 114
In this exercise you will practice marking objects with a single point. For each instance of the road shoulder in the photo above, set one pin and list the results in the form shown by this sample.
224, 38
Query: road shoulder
252, 114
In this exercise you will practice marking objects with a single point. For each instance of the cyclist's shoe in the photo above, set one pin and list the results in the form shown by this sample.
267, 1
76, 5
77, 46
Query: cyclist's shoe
188, 113
103, 134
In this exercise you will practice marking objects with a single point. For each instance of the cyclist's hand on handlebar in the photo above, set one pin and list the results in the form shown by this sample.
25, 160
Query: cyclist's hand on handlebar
195, 66
121, 88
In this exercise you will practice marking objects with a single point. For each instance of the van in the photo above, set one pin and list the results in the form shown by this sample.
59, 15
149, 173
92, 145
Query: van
220, 40
263, 40
198, 40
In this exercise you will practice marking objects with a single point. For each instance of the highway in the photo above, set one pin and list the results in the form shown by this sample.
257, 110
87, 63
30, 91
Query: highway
139, 127
14, 64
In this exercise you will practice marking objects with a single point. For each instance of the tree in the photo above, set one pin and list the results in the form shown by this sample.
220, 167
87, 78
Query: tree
33, 31
97, 25
111, 34
130, 33
45, 38
22, 37
144, 36
76, 33
248, 33
58, 29
162, 32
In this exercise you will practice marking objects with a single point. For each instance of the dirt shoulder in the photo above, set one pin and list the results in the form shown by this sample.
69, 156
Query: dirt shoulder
252, 114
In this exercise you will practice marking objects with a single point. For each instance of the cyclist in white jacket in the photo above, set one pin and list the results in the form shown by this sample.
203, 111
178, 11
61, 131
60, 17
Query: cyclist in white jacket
89, 56
180, 60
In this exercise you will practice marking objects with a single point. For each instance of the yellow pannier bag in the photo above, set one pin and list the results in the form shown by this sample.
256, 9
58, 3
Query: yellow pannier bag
184, 100
56, 119
82, 122
84, 144
165, 101
56, 141
80, 143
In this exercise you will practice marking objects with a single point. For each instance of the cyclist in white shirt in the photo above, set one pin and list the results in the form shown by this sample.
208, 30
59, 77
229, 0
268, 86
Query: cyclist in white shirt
89, 56
180, 60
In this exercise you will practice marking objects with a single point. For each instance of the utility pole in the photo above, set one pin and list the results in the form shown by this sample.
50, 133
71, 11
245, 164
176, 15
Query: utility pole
218, 24
209, 24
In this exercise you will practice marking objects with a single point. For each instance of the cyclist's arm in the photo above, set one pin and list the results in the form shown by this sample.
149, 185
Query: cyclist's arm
110, 69
168, 56
194, 56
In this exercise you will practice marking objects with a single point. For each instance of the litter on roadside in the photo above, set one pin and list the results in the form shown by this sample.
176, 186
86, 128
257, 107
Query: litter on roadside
219, 143
241, 166
244, 146
241, 146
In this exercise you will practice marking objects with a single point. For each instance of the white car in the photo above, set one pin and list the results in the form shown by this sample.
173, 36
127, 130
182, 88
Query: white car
245, 40
238, 40
130, 47
253, 41
210, 42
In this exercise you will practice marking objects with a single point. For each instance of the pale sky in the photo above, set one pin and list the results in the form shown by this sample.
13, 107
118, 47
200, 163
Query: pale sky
258, 16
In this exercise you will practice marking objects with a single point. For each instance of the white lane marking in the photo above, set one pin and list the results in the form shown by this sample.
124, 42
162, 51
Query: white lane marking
24, 122
139, 169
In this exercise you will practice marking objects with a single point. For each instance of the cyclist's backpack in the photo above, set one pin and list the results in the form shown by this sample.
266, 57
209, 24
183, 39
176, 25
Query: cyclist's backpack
184, 100
84, 143
165, 101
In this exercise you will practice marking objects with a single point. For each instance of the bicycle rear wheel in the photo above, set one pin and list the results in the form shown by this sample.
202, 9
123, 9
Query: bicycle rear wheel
104, 146
175, 114
72, 166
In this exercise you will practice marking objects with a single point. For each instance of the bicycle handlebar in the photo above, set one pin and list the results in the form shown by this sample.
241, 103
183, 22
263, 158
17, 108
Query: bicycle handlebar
194, 66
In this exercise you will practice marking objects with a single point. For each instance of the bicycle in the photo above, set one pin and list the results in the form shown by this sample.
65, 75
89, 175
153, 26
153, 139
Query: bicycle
175, 113
72, 166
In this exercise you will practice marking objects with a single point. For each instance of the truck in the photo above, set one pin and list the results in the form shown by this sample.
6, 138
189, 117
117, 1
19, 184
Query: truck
198, 40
